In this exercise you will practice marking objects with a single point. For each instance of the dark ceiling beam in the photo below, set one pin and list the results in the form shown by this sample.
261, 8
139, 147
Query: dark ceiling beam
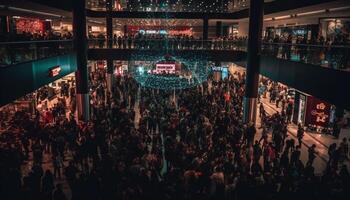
66, 5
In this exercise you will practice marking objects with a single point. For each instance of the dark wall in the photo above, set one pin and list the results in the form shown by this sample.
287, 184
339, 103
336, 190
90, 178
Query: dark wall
21, 79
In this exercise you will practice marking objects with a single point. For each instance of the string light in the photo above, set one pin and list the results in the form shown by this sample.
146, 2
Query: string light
194, 71
212, 6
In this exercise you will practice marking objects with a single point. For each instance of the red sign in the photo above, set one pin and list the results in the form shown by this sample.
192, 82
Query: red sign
317, 112
55, 71
29, 25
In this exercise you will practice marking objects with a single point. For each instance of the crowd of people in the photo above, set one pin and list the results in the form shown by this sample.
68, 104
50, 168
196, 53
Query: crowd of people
333, 53
35, 36
144, 143
35, 46
177, 42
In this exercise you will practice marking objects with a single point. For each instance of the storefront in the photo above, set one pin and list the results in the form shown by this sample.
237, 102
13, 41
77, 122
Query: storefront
30, 25
220, 72
30, 76
120, 68
61, 92
313, 113
305, 31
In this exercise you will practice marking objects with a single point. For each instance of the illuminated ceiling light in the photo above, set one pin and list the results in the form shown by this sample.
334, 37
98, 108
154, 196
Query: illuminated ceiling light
311, 13
339, 8
268, 19
283, 17
33, 11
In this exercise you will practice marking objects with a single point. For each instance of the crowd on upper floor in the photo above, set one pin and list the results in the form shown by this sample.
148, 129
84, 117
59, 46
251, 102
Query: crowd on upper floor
38, 36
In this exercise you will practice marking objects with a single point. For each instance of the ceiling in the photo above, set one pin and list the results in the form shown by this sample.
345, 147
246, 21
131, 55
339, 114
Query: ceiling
31, 9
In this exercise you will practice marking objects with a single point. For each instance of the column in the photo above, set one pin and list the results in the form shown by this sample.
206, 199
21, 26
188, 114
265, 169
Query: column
4, 29
109, 24
219, 29
253, 60
205, 28
110, 75
80, 46
125, 30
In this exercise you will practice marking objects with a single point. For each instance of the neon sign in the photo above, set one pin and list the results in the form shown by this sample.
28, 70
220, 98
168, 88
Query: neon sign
54, 71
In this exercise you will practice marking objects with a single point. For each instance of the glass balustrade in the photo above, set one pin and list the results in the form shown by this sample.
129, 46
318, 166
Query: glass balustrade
330, 56
18, 52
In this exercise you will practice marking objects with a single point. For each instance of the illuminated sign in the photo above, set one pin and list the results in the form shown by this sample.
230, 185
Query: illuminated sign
54, 71
318, 112
215, 68
161, 32
165, 68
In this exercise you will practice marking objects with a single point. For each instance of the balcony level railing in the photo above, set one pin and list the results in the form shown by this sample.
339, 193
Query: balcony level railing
331, 56
24, 51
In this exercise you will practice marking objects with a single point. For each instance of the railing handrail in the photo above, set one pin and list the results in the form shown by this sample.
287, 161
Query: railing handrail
222, 40
35, 41
308, 45
160, 39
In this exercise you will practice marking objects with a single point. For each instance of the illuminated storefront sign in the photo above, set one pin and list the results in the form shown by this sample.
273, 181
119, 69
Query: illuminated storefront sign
55, 71
317, 112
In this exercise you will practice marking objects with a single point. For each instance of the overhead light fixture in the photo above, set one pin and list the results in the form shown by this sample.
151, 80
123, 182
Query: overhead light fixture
339, 8
268, 19
311, 13
94, 21
283, 17
33, 11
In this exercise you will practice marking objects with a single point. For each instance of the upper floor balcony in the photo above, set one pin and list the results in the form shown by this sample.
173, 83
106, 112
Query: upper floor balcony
24, 51
329, 56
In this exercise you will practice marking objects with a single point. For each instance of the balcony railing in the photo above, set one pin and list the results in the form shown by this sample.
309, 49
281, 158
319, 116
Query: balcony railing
168, 44
330, 56
18, 52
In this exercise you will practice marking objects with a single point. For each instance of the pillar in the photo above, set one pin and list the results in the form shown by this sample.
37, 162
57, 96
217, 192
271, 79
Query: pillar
205, 28
109, 23
125, 30
253, 60
110, 75
4, 21
80, 46
219, 29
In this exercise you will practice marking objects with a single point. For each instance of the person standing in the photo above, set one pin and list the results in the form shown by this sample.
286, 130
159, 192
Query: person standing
300, 133
59, 194
312, 155
57, 165
48, 185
